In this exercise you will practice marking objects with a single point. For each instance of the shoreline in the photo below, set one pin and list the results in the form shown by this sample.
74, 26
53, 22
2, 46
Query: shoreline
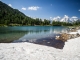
31, 51
73, 33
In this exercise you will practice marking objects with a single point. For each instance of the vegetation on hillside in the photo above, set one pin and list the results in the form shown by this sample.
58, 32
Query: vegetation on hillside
10, 16
57, 23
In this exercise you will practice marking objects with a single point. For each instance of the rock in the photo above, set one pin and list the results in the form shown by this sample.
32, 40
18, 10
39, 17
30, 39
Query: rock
78, 35
57, 37
64, 37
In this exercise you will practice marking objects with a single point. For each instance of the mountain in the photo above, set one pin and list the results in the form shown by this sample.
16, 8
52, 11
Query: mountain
66, 19
9, 15
12, 17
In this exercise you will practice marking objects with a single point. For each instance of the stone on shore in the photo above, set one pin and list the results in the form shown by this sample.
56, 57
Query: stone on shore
64, 37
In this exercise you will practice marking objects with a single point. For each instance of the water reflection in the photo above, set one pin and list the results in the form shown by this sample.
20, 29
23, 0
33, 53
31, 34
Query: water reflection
33, 34
48, 41
60, 31
10, 36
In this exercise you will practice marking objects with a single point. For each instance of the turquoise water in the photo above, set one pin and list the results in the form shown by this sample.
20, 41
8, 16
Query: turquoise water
28, 33
43, 35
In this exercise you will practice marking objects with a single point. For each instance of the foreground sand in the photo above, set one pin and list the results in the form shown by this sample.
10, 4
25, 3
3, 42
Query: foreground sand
30, 51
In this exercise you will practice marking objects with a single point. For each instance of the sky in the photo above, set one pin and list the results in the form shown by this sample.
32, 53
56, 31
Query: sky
46, 8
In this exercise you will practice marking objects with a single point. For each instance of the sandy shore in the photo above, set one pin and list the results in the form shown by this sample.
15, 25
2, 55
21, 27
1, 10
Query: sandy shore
30, 51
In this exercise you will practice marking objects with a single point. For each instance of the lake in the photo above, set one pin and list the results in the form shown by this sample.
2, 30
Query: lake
44, 35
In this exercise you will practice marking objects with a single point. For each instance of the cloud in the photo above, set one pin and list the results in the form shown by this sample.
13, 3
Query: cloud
33, 8
74, 17
10, 5
23, 8
79, 10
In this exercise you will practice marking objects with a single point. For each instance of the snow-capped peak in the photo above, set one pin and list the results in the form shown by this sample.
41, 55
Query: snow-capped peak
66, 18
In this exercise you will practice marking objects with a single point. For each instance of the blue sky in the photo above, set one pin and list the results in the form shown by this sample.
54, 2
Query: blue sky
46, 8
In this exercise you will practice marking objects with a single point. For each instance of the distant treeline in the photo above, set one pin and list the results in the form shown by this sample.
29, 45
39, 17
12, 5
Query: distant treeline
12, 17
76, 23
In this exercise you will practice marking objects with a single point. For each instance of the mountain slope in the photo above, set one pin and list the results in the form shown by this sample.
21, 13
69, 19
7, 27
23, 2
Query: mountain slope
9, 15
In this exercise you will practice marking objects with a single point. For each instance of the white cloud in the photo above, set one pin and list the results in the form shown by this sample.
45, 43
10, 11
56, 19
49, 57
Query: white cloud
79, 9
23, 8
74, 17
10, 5
33, 8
